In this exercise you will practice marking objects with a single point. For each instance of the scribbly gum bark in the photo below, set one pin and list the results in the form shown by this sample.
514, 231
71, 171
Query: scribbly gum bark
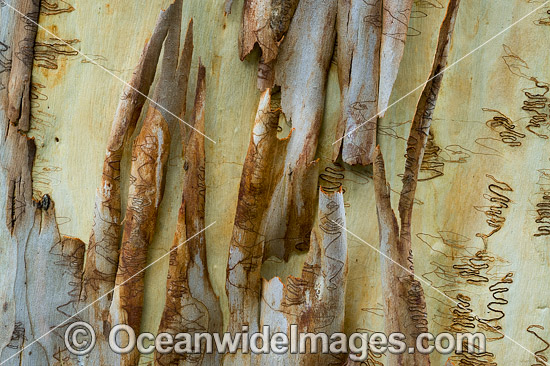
191, 305
359, 28
316, 301
262, 167
404, 301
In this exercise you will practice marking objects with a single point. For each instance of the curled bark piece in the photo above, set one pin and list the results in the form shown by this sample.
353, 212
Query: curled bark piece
149, 158
191, 305
301, 71
404, 302
359, 25
246, 250
395, 25
19, 87
316, 301
264, 23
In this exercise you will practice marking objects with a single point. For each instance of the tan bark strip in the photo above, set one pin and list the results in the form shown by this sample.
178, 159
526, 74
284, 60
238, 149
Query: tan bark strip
191, 305
316, 301
395, 24
19, 88
404, 301
147, 179
359, 28
246, 249
301, 71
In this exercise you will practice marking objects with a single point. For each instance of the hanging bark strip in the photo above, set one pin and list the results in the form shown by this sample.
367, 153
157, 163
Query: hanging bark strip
395, 25
246, 250
359, 28
301, 71
404, 302
265, 23
22, 52
316, 301
191, 305
149, 158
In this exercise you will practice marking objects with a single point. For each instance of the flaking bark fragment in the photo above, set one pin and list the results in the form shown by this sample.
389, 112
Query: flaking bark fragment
191, 305
359, 28
404, 301
262, 167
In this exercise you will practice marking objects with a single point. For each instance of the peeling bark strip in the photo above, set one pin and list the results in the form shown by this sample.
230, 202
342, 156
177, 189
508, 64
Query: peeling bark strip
19, 87
264, 23
191, 305
103, 249
316, 301
246, 251
149, 158
359, 28
395, 25
301, 71
404, 302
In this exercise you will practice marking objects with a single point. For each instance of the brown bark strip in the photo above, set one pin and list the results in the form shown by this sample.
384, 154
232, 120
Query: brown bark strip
395, 24
261, 169
359, 28
404, 302
316, 301
301, 71
191, 305
19, 88
265, 23
147, 179
102, 255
